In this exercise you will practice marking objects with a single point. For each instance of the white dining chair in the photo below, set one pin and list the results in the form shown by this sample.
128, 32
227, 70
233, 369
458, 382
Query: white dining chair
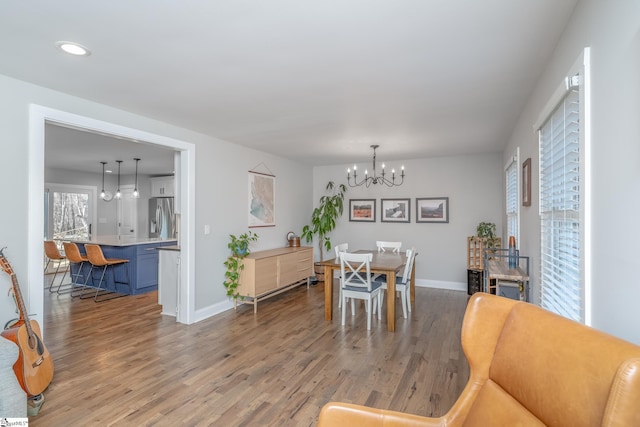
403, 284
343, 247
356, 283
394, 246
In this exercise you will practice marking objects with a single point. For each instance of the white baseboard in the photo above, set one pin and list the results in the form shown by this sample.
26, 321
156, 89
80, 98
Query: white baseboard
212, 310
441, 284
223, 306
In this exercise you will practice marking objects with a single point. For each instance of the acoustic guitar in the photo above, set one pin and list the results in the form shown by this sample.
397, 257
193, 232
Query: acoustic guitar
34, 367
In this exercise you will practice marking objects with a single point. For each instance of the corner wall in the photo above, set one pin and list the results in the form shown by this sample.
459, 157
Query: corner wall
221, 189
474, 187
612, 31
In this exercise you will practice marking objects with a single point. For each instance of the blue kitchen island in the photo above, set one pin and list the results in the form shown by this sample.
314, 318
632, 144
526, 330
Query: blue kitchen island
141, 271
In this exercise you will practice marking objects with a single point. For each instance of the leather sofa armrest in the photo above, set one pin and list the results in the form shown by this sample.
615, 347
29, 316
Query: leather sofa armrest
335, 414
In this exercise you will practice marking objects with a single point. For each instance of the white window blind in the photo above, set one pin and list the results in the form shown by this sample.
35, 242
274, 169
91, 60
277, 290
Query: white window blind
511, 197
560, 210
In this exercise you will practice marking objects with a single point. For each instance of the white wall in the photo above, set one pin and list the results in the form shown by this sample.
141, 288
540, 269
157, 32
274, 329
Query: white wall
221, 188
612, 31
474, 187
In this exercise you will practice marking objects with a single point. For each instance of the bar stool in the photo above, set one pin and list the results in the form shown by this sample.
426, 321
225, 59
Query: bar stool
97, 259
53, 255
75, 258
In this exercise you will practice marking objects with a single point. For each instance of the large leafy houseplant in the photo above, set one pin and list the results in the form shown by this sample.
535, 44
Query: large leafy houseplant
323, 218
239, 246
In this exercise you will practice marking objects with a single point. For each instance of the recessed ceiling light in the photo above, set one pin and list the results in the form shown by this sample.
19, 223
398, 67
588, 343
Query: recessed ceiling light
73, 48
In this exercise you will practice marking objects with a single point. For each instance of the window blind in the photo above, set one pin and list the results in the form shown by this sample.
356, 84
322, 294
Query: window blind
559, 136
511, 197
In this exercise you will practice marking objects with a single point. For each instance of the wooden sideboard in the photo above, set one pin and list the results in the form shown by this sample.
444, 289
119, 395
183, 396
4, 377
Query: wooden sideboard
268, 273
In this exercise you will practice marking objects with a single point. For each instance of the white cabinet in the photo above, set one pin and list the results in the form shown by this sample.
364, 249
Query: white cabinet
162, 186
168, 279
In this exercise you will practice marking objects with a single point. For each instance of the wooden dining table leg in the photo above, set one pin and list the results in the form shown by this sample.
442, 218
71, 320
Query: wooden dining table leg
328, 293
391, 301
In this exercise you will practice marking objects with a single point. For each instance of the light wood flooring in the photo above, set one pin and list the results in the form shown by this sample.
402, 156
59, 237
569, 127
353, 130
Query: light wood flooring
122, 363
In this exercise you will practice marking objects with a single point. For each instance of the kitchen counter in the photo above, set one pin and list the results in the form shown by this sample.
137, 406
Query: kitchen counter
124, 240
142, 269
169, 248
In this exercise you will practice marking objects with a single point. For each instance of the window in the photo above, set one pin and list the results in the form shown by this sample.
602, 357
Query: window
511, 198
562, 211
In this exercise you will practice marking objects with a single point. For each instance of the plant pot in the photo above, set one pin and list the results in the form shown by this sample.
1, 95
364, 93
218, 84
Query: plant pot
319, 272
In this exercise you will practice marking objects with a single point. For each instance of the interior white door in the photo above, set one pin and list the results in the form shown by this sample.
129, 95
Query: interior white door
127, 207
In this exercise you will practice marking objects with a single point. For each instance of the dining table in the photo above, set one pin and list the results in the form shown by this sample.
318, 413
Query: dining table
388, 263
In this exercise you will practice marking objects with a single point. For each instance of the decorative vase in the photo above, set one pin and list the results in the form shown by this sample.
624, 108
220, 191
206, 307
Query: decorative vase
513, 255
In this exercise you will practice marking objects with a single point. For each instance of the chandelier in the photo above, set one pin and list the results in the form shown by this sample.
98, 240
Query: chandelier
375, 179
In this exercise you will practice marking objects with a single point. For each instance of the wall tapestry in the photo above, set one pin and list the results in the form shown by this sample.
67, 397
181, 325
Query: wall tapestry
262, 200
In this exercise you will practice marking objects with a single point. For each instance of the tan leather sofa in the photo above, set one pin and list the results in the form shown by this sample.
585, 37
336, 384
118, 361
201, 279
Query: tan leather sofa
528, 367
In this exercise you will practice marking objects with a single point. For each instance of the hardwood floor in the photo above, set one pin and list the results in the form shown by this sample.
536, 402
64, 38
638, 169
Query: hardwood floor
122, 363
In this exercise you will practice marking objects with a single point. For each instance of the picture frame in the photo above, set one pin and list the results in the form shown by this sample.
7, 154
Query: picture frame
526, 182
362, 210
432, 209
395, 210
262, 200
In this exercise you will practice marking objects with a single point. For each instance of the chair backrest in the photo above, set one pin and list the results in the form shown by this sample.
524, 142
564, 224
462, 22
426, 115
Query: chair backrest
530, 363
72, 252
411, 256
95, 255
341, 248
51, 250
382, 245
355, 270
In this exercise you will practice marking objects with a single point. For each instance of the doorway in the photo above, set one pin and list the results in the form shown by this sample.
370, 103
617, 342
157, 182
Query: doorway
39, 116
127, 218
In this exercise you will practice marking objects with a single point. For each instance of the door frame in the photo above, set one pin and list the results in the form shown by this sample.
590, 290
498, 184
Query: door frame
38, 116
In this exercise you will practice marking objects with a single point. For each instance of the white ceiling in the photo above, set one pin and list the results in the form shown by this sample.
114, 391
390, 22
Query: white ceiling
314, 81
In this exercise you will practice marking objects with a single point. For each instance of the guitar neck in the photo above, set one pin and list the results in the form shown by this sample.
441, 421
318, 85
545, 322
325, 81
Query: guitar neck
24, 315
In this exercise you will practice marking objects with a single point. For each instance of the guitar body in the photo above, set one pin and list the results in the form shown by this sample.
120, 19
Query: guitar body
34, 367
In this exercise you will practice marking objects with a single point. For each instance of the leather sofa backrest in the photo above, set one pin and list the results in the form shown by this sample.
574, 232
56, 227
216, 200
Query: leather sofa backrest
548, 370
527, 367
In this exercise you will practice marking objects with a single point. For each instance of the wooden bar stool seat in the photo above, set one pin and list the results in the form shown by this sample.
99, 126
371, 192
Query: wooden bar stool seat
97, 260
76, 258
53, 255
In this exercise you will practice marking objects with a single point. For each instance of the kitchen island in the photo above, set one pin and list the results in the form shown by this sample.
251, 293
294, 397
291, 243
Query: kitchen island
142, 269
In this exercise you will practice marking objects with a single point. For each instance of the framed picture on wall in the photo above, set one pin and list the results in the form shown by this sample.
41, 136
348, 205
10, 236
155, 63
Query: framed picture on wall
395, 210
432, 209
362, 210
526, 182
262, 200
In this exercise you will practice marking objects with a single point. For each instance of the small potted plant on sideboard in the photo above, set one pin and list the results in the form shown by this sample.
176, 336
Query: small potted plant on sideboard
239, 246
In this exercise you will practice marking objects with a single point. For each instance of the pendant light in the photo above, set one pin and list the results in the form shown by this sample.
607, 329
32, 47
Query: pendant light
118, 193
135, 190
102, 193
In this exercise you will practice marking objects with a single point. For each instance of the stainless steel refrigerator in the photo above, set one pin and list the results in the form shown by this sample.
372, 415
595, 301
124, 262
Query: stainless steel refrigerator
161, 218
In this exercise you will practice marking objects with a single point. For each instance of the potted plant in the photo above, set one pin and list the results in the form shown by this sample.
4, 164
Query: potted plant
239, 246
486, 230
323, 219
